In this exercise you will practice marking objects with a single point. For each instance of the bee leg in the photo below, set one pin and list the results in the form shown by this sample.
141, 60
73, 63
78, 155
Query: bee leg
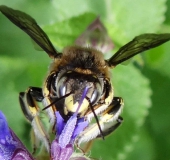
110, 117
34, 141
109, 122
112, 128
28, 101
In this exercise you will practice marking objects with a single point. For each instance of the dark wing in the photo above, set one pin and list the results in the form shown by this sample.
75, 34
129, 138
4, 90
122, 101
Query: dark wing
30, 26
137, 45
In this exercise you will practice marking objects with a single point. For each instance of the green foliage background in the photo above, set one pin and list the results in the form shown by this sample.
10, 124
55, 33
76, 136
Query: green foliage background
144, 85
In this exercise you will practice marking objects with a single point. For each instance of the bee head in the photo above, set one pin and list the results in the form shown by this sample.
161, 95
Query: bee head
75, 84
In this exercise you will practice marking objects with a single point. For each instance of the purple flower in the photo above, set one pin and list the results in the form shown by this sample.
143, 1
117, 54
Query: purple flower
63, 146
96, 36
11, 148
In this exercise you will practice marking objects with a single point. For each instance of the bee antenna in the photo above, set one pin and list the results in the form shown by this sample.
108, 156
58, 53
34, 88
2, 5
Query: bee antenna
57, 99
96, 118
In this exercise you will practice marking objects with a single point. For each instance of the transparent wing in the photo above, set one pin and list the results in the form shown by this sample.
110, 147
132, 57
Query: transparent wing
137, 45
30, 26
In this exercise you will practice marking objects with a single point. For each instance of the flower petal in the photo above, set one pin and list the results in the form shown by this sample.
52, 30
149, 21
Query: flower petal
11, 147
21, 154
60, 123
67, 132
58, 153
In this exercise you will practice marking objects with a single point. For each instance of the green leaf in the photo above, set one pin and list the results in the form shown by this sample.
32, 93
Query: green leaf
65, 33
158, 120
144, 148
128, 18
159, 58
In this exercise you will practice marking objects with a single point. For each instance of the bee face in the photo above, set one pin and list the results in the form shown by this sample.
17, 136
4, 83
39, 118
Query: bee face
77, 72
77, 69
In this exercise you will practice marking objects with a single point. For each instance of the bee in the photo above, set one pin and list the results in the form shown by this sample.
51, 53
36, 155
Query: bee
70, 73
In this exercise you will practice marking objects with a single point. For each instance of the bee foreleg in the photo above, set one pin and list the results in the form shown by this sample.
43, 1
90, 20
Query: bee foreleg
28, 101
110, 117
109, 122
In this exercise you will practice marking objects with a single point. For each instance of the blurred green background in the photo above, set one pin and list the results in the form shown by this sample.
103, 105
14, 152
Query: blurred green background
144, 84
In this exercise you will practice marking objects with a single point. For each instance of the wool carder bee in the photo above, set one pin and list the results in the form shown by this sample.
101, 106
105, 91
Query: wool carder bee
70, 73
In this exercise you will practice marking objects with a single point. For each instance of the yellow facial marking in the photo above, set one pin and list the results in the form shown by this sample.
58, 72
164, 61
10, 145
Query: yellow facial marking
73, 107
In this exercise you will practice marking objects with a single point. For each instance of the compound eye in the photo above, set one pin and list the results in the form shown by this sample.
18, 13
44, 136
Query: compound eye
96, 94
61, 87
94, 97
